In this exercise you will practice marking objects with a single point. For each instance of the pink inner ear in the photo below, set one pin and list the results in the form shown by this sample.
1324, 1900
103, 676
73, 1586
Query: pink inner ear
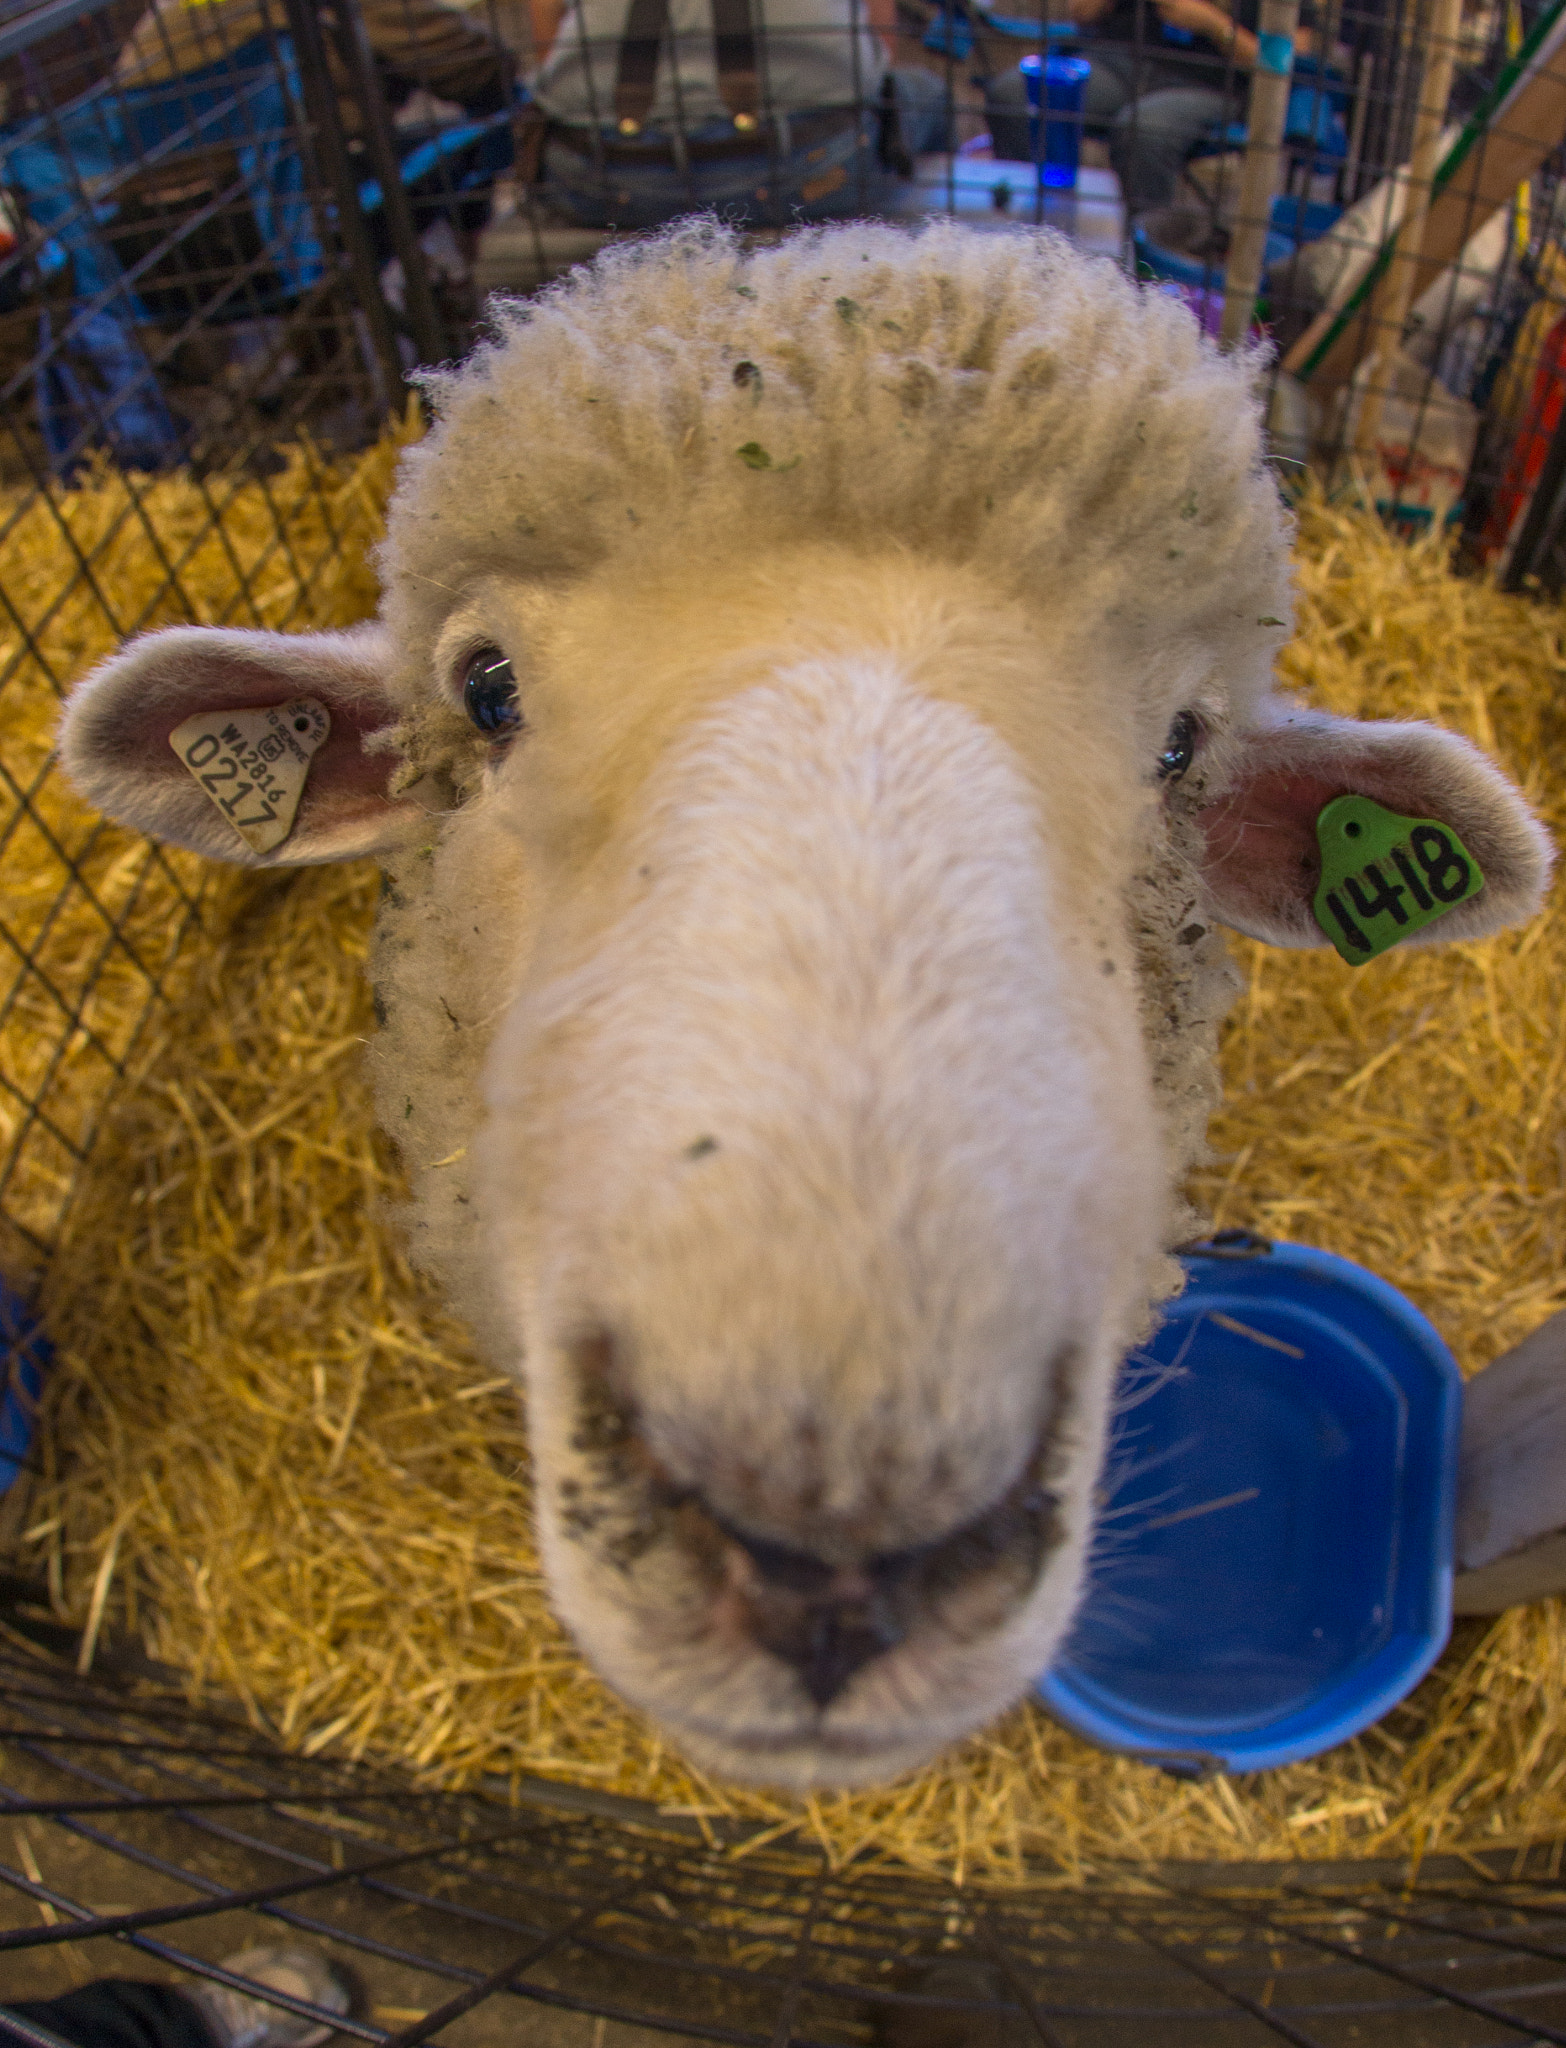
343, 777
1263, 859
1261, 839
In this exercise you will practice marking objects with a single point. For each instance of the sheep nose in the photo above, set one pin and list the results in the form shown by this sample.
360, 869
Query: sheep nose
829, 1620
826, 1620
837, 1641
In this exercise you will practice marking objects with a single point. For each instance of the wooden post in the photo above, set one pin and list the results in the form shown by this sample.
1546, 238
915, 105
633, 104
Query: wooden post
1511, 1487
1395, 292
1495, 153
1265, 117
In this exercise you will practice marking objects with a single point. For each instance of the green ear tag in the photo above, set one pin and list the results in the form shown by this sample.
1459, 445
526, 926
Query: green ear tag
1383, 877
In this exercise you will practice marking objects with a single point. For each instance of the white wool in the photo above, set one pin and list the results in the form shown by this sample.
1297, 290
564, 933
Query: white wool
997, 473
994, 399
992, 402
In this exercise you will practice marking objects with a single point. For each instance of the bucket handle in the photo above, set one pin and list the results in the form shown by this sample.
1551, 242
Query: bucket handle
1227, 1244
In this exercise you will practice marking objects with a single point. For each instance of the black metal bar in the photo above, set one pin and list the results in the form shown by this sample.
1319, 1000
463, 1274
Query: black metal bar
59, 1808
1273, 2021
92, 1925
788, 2004
1000, 1955
29, 2031
20, 35
1484, 1938
214, 1973
1286, 1930
44, 1736
500, 1980
1552, 1909
346, 19
331, 151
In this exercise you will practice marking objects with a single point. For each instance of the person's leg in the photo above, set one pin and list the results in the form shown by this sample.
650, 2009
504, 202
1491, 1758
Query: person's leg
117, 2012
1106, 91
924, 110
1104, 94
1151, 139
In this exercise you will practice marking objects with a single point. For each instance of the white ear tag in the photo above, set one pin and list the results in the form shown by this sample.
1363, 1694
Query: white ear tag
253, 764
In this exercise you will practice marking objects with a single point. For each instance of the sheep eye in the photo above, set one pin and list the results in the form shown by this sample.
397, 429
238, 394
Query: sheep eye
1180, 747
489, 693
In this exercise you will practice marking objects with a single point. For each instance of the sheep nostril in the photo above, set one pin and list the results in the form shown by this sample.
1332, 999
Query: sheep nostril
827, 1620
826, 1641
776, 1565
840, 1640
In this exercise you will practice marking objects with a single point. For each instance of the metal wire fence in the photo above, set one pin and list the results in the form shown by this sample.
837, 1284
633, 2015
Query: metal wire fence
146, 1836
232, 229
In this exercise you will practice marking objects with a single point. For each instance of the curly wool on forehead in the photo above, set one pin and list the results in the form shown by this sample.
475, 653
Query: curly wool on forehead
989, 398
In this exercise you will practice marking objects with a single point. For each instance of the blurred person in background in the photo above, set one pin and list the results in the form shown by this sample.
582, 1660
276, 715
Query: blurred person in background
1166, 75
653, 108
417, 44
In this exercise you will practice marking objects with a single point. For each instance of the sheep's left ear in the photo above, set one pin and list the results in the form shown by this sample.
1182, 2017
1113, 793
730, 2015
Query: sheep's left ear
1263, 861
115, 740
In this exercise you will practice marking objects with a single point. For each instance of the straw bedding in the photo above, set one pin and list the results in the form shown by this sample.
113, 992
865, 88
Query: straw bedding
271, 1459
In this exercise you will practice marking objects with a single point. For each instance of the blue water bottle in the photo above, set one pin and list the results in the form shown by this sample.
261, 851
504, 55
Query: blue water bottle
1055, 86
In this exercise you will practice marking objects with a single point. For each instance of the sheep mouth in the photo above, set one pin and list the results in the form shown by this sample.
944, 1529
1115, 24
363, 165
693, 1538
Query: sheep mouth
823, 1622
827, 1621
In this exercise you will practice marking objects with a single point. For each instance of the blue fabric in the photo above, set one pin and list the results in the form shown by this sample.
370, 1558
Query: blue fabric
97, 385
462, 158
448, 174
950, 34
55, 160
1314, 121
25, 1355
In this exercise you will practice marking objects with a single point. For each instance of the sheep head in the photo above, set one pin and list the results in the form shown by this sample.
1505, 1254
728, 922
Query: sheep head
819, 713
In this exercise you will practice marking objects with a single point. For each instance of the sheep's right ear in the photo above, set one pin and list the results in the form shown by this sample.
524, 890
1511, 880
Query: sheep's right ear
114, 739
1263, 857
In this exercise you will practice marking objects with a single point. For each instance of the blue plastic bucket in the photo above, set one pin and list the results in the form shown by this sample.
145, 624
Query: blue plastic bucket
1158, 258
1273, 1570
1301, 219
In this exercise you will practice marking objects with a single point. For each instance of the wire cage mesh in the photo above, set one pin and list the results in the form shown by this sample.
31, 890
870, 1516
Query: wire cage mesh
191, 287
232, 230
147, 1838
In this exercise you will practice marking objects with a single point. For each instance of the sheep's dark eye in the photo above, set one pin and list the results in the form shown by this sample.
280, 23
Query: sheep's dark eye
1180, 747
489, 693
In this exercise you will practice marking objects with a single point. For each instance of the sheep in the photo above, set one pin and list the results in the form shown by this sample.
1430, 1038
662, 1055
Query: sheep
820, 716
